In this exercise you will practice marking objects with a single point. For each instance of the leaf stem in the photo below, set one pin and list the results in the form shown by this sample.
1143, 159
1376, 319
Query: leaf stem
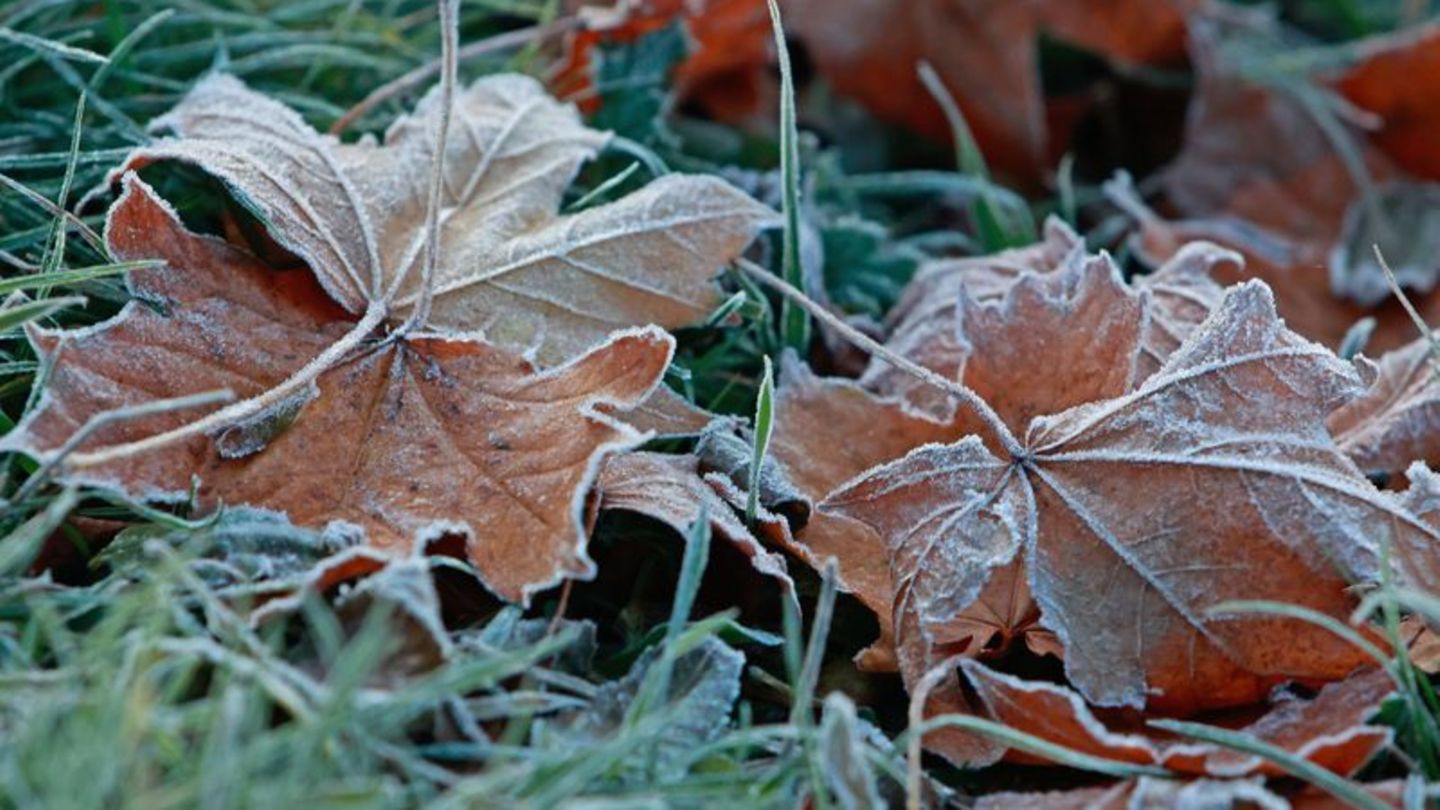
449, 38
965, 395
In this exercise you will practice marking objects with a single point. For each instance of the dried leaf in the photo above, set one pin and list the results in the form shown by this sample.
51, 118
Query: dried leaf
389, 433
1328, 729
922, 325
1214, 480
826, 432
721, 450
726, 71
1395, 422
671, 489
1259, 173
842, 748
240, 545
509, 267
1419, 565
509, 631
360, 582
1394, 78
986, 53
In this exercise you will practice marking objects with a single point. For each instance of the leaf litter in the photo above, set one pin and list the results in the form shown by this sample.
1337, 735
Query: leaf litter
1106, 461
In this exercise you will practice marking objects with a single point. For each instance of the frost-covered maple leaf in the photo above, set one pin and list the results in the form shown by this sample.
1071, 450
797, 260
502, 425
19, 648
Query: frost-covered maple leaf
1213, 480
509, 268
408, 438
366, 394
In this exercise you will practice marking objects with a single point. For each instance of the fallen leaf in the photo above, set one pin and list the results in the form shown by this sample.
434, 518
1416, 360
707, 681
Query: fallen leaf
385, 436
1329, 729
1395, 77
1098, 334
844, 738
238, 547
1214, 480
1259, 173
1419, 564
1395, 421
728, 455
509, 267
673, 490
930, 326
827, 431
726, 72
923, 326
987, 55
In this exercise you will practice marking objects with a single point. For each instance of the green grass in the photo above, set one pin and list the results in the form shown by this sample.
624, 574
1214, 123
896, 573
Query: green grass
133, 677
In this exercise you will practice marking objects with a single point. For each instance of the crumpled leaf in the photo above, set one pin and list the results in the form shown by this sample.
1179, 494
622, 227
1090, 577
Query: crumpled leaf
1397, 420
1419, 565
509, 267
704, 685
1329, 729
827, 431
724, 451
388, 434
361, 581
1214, 480
673, 490
404, 592
986, 53
1402, 220
509, 631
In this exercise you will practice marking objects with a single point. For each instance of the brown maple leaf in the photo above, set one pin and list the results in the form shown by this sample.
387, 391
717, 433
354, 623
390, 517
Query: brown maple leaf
986, 53
1214, 480
407, 438
1329, 729
1097, 337
399, 421
508, 267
